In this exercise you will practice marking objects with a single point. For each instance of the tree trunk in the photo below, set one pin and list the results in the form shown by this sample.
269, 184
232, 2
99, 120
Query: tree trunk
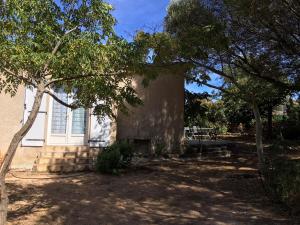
259, 141
3, 203
270, 122
12, 150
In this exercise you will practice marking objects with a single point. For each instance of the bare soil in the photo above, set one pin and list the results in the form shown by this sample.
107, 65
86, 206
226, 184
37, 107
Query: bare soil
210, 191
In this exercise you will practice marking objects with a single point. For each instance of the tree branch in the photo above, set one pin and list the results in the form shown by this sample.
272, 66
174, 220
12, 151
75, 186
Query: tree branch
9, 71
19, 76
55, 49
287, 4
220, 73
60, 101
215, 87
256, 73
214, 70
81, 77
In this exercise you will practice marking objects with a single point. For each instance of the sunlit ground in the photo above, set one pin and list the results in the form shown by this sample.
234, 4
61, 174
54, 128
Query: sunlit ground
175, 192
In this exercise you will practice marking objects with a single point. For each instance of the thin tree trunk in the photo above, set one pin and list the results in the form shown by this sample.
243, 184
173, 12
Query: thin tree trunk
12, 150
259, 139
270, 122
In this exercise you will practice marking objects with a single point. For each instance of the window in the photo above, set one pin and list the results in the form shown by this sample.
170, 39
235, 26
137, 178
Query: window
59, 114
79, 121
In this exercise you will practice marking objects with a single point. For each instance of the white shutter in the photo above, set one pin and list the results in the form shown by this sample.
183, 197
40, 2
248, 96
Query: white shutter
36, 135
99, 132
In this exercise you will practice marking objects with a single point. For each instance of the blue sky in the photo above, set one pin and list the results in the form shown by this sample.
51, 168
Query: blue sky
134, 15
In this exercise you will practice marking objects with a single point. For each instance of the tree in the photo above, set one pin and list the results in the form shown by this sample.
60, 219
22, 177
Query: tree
237, 111
69, 44
208, 38
259, 95
276, 26
201, 110
216, 34
194, 110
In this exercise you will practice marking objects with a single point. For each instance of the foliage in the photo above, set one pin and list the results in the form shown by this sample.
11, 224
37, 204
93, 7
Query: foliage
282, 176
283, 180
160, 149
70, 44
118, 155
213, 38
235, 105
201, 110
216, 38
248, 89
194, 110
108, 161
222, 36
293, 111
126, 151
288, 126
279, 118
240, 95
272, 23
237, 111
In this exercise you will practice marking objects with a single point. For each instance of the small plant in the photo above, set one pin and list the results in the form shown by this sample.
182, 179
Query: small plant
160, 149
126, 151
108, 161
118, 155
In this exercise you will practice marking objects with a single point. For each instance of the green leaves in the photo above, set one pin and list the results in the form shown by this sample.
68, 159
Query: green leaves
68, 43
196, 27
221, 37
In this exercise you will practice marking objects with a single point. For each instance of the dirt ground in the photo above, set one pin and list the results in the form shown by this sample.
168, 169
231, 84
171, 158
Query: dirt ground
210, 191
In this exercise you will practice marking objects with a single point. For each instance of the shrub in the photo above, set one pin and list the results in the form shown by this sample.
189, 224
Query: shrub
126, 151
282, 176
118, 155
108, 161
160, 149
221, 129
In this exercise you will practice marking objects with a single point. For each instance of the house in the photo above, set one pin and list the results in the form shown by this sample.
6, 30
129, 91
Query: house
61, 136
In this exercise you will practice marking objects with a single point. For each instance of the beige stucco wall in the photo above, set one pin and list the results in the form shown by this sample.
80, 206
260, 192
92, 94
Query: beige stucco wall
11, 116
11, 119
161, 115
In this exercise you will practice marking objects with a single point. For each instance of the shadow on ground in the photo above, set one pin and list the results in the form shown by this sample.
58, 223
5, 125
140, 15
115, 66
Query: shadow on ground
175, 192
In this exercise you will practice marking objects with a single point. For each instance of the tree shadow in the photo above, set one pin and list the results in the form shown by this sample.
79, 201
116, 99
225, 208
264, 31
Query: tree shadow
174, 192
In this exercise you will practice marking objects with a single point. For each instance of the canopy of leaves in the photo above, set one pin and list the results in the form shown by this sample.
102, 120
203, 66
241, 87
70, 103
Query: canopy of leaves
276, 26
68, 43
237, 111
194, 107
200, 110
223, 37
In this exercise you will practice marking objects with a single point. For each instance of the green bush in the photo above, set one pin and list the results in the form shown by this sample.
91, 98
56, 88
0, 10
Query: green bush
282, 177
221, 129
108, 161
160, 149
126, 151
118, 155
